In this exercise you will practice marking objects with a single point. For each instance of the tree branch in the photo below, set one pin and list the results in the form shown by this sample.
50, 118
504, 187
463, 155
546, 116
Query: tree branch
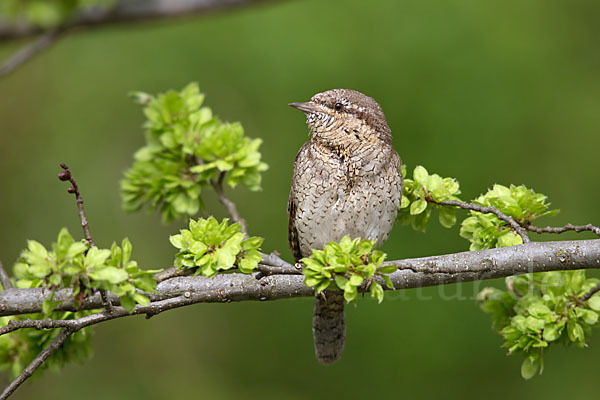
31, 49
124, 11
417, 272
36, 363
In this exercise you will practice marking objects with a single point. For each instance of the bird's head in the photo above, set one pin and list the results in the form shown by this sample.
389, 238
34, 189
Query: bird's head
345, 117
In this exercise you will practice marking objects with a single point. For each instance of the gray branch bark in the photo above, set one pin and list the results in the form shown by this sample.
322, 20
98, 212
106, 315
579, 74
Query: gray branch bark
416, 272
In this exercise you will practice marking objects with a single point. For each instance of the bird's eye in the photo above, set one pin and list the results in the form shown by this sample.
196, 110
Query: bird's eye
338, 106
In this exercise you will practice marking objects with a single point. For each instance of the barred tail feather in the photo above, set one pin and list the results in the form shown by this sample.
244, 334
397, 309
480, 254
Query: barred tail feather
329, 327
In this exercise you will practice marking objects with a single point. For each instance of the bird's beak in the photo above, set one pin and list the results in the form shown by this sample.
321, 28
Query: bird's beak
308, 107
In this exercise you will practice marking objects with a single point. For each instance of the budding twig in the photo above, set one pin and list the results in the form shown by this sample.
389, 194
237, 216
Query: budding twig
487, 210
74, 189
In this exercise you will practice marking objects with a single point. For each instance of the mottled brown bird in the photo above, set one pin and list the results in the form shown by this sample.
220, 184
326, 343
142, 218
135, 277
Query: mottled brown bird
347, 181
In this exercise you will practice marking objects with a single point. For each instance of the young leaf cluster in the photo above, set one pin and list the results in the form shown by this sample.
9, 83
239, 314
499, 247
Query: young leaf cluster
420, 195
47, 13
486, 231
73, 264
19, 348
541, 309
345, 266
215, 247
187, 148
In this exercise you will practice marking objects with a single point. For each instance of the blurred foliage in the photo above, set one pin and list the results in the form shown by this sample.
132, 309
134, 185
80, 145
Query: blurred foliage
216, 247
47, 13
187, 148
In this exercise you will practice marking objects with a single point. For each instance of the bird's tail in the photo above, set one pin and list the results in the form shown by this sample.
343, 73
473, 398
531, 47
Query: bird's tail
329, 327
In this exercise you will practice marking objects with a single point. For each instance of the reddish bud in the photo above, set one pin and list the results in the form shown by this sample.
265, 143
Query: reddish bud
71, 189
64, 176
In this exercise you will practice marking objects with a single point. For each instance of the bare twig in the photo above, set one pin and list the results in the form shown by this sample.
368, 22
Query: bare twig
561, 229
229, 205
25, 53
74, 189
66, 175
36, 363
487, 210
4, 278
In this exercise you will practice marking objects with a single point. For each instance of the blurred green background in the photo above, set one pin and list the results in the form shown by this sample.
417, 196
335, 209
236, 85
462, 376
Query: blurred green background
496, 91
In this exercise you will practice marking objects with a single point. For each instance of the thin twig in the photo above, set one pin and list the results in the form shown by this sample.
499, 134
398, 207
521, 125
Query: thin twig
229, 205
36, 363
4, 278
66, 175
22, 55
561, 229
487, 210
74, 189
590, 293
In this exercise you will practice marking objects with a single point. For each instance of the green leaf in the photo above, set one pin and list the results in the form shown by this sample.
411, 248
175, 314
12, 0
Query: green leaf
96, 257
388, 281
109, 274
529, 367
141, 299
575, 331
447, 217
420, 175
377, 292
341, 281
350, 293
356, 280
551, 333
594, 302
387, 269
418, 206
128, 303
324, 284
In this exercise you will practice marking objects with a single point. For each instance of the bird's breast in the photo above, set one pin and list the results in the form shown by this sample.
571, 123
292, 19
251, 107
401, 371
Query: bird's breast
337, 197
